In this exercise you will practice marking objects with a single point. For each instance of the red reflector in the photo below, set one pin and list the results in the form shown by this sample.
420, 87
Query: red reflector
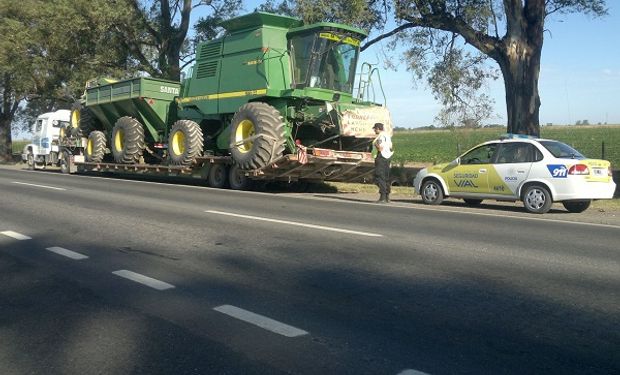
322, 152
579, 169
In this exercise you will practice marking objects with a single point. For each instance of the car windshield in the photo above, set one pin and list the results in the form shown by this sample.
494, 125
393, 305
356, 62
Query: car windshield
324, 60
561, 150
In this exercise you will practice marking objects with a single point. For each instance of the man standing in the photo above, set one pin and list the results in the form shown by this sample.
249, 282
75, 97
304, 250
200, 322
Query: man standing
383, 145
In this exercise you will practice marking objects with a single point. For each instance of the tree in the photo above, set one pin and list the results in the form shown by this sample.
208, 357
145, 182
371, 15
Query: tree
44, 60
159, 39
510, 32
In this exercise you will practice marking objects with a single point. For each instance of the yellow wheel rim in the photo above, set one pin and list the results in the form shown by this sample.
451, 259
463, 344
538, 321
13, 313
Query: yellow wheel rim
75, 118
89, 147
118, 140
178, 143
245, 130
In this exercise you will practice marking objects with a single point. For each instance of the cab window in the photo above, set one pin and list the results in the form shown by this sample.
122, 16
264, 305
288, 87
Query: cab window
517, 152
480, 155
39, 125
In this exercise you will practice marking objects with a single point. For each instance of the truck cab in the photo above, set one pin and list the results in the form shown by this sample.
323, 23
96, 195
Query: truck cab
45, 131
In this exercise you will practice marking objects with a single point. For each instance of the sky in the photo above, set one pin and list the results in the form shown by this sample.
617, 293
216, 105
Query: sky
579, 76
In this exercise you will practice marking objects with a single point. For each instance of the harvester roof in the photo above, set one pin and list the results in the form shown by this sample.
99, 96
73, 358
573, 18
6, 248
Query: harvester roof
259, 19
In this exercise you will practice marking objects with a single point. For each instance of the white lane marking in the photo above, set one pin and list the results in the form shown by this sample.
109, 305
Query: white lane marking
412, 372
15, 235
41, 186
145, 280
313, 226
260, 321
67, 253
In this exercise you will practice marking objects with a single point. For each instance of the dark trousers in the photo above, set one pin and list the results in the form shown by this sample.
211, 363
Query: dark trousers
382, 175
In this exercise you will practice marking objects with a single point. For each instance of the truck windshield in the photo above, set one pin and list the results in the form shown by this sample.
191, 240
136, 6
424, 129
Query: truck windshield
324, 60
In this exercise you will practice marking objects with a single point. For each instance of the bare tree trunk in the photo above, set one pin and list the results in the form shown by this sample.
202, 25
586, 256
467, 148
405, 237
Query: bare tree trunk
520, 67
6, 151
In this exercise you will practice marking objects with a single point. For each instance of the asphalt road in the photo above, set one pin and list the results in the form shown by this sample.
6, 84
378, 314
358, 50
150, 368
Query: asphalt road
116, 276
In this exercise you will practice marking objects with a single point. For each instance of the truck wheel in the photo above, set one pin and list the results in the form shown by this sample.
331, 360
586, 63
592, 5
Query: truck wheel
64, 162
30, 161
257, 135
237, 179
127, 140
218, 176
185, 142
95, 147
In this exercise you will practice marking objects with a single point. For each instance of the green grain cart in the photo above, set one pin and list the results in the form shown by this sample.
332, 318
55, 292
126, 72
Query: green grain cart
273, 99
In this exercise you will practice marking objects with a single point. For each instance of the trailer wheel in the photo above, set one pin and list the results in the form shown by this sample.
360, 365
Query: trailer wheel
237, 179
257, 135
218, 176
127, 140
95, 147
185, 142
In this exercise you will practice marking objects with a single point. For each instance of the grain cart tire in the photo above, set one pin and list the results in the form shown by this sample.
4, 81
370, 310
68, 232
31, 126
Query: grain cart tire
218, 176
127, 140
265, 126
237, 179
95, 147
185, 142
82, 120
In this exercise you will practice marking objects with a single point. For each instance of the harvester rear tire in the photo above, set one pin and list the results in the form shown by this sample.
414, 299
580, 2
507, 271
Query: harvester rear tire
185, 142
218, 176
262, 120
95, 147
127, 140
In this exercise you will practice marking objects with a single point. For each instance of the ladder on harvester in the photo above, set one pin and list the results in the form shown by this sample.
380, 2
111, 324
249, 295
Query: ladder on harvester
366, 87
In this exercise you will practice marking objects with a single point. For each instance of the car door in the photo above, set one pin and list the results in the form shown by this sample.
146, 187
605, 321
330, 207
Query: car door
512, 167
470, 177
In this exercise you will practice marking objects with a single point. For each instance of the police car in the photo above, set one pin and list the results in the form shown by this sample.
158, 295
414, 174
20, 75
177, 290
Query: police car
533, 170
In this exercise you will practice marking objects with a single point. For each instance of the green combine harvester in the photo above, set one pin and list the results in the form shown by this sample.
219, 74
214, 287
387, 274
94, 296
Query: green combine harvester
273, 99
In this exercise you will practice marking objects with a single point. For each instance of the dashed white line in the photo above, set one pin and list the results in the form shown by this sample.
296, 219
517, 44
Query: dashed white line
15, 235
35, 185
67, 253
260, 321
145, 280
313, 226
412, 372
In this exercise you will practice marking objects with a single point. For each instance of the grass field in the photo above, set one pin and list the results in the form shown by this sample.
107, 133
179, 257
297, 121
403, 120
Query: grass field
18, 146
436, 146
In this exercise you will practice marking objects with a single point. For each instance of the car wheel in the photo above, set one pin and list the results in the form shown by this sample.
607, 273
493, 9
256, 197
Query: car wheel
576, 206
472, 202
431, 192
537, 199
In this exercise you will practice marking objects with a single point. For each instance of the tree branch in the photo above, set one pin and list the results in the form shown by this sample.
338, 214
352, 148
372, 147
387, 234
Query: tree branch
400, 28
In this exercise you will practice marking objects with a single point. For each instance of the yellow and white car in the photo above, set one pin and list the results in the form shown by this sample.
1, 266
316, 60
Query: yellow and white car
535, 171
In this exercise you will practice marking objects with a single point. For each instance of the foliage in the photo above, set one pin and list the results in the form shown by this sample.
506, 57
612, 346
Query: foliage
450, 41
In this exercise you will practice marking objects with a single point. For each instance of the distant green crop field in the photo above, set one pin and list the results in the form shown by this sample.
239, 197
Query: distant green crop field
436, 146
18, 145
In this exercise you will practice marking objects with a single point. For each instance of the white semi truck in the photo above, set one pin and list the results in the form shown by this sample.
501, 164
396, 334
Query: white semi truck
44, 149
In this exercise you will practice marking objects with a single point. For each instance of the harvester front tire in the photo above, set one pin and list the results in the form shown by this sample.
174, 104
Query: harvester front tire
263, 125
185, 142
127, 140
95, 147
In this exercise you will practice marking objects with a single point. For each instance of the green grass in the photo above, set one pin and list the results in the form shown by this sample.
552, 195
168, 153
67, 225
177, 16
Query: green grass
18, 145
438, 146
